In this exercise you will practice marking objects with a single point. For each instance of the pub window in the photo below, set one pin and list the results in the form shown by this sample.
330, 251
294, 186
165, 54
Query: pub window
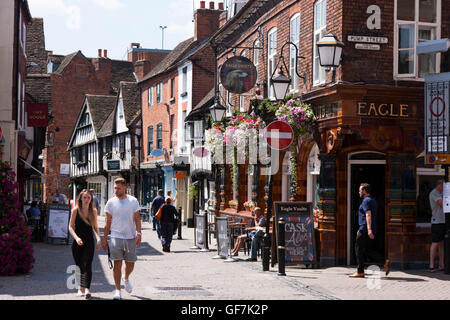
271, 54
149, 140
256, 53
159, 92
108, 147
427, 177
415, 21
184, 79
85, 119
320, 26
121, 143
295, 39
159, 136
172, 87
150, 96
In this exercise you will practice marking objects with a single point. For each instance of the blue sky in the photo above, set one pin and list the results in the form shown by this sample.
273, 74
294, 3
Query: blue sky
89, 25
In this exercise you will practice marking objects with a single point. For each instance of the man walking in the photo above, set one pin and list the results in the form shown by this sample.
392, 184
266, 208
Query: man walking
123, 223
365, 238
156, 204
437, 226
96, 201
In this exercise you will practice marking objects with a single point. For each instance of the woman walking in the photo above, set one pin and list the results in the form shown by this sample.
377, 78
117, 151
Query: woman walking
167, 219
82, 226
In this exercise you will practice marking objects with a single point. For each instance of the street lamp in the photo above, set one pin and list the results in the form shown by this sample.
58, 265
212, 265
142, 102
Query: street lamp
217, 110
162, 28
279, 81
280, 84
330, 51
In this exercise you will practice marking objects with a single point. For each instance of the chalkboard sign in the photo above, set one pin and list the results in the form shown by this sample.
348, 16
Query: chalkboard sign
58, 222
222, 236
299, 231
200, 230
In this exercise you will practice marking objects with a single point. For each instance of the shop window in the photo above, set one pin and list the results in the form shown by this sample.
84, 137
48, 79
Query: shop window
320, 26
271, 54
295, 39
312, 189
427, 177
97, 187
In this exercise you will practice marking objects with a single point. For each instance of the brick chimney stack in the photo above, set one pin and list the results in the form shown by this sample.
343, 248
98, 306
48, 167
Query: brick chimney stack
206, 20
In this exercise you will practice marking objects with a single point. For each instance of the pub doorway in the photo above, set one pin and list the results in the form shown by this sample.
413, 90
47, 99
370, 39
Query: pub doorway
365, 168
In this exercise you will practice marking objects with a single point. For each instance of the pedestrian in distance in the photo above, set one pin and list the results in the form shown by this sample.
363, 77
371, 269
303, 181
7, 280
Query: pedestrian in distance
96, 201
258, 234
365, 238
35, 216
437, 226
157, 202
83, 226
58, 198
178, 218
123, 225
167, 220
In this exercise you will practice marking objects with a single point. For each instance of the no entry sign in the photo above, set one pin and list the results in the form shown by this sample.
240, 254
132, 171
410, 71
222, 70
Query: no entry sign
279, 135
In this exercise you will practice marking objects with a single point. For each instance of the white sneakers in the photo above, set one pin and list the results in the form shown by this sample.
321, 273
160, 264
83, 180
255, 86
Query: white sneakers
117, 295
128, 288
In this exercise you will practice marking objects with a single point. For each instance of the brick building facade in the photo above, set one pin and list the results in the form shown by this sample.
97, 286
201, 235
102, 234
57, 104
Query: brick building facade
75, 77
369, 110
169, 92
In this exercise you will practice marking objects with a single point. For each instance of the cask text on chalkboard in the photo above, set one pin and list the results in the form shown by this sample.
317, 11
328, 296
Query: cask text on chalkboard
299, 231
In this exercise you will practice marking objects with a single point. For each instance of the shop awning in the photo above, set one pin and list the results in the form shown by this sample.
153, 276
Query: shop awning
29, 165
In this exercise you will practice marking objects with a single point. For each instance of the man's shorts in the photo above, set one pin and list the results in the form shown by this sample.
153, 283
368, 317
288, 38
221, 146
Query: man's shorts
437, 232
122, 249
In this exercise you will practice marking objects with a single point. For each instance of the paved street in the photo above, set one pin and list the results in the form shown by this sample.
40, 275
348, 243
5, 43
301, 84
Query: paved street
186, 274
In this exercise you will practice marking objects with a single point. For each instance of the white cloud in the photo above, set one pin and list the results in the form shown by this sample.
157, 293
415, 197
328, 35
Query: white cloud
57, 7
111, 5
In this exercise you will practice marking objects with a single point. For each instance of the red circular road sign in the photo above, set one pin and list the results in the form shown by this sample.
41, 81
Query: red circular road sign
279, 135
438, 112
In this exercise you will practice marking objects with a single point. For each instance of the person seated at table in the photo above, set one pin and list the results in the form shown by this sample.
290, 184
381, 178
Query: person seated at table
250, 231
257, 237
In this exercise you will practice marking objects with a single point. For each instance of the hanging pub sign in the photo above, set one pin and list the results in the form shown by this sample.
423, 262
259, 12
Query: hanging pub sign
238, 75
37, 114
437, 147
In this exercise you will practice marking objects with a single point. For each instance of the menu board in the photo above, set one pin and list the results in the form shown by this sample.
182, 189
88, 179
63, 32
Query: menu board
200, 230
222, 236
299, 231
58, 221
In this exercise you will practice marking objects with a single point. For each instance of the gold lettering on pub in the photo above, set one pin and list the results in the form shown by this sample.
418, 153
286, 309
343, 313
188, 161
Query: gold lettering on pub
373, 109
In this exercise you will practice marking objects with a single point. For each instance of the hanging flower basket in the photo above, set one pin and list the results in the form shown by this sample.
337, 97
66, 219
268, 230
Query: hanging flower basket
236, 133
302, 120
249, 205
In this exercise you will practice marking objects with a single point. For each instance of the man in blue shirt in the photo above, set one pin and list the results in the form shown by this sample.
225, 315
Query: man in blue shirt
156, 204
365, 238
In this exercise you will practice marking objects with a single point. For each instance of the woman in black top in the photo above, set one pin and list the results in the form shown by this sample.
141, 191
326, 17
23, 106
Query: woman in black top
167, 220
84, 219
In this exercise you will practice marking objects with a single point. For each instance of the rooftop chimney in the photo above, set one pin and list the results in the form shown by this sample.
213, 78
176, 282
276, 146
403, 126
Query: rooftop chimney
221, 6
105, 53
206, 21
99, 53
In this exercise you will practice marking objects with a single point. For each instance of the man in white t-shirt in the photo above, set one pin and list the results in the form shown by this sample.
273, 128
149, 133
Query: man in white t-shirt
123, 224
